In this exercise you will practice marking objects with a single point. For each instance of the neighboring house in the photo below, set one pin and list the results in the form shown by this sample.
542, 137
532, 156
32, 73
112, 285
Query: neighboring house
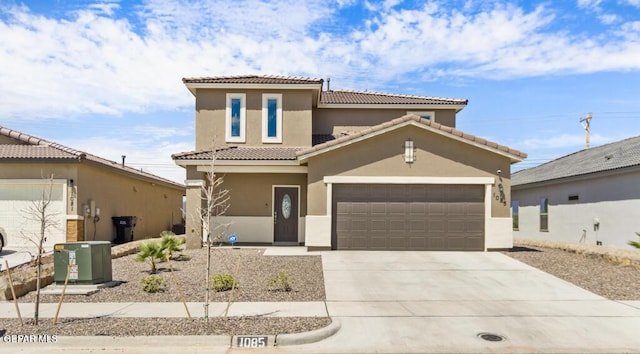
345, 169
591, 196
87, 191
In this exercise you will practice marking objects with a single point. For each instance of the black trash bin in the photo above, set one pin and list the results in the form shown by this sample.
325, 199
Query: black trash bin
124, 228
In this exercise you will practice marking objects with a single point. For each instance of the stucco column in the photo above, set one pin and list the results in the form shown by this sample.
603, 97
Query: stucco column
193, 223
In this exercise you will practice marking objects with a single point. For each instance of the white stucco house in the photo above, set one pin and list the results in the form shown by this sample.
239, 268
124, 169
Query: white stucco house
591, 196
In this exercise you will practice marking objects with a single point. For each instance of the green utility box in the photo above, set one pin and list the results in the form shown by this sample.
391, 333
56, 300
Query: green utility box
90, 262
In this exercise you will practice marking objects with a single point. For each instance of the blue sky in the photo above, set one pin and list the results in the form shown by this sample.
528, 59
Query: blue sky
105, 76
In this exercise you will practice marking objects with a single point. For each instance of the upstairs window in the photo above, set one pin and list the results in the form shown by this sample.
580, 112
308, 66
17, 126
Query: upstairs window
424, 115
236, 118
544, 214
272, 118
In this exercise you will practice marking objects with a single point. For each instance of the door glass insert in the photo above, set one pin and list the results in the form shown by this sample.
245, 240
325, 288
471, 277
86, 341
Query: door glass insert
286, 206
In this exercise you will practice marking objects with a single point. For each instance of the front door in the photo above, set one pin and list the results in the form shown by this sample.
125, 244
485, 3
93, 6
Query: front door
285, 215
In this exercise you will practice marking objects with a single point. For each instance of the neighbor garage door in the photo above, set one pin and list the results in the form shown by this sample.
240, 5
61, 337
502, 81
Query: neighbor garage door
408, 217
16, 198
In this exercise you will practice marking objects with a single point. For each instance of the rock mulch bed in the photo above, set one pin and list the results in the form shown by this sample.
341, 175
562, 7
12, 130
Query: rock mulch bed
589, 271
254, 272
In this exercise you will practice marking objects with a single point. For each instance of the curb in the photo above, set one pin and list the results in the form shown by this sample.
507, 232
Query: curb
309, 337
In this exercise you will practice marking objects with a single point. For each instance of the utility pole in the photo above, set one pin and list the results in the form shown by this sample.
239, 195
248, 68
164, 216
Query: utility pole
586, 123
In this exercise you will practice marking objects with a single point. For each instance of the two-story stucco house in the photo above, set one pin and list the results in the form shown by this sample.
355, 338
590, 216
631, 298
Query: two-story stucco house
346, 169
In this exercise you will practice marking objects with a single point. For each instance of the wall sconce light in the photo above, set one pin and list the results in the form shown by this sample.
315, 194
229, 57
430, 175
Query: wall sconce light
409, 153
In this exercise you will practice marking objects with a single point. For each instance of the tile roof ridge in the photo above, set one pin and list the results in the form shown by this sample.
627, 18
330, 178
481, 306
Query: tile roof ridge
413, 117
34, 140
378, 93
247, 76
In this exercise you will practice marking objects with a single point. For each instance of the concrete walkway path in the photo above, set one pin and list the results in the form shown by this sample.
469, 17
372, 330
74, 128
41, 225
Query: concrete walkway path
166, 309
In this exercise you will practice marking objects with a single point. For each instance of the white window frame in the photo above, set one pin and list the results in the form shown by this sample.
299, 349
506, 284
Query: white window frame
243, 118
431, 114
265, 118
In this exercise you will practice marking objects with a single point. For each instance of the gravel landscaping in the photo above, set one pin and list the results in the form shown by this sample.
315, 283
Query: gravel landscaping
254, 272
614, 282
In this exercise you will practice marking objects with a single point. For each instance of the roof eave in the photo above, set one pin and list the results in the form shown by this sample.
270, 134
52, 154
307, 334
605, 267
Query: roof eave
457, 107
193, 86
578, 177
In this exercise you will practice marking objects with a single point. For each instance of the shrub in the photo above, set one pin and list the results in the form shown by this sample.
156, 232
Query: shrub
151, 251
635, 244
152, 284
170, 243
281, 282
223, 282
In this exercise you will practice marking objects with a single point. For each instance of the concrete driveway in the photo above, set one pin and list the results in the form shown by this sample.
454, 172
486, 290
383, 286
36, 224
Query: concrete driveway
416, 302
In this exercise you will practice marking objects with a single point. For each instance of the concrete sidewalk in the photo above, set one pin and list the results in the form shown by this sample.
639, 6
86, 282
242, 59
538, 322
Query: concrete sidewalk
167, 309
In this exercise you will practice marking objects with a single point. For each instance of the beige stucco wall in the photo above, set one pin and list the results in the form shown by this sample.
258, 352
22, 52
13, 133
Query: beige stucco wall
157, 207
251, 193
436, 156
335, 120
210, 117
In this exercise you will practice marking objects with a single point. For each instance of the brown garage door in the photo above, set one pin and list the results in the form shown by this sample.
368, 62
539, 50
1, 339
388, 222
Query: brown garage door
408, 217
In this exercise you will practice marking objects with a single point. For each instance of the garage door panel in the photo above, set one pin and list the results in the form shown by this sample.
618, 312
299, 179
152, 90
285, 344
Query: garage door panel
16, 199
416, 217
379, 226
419, 226
419, 209
378, 208
397, 208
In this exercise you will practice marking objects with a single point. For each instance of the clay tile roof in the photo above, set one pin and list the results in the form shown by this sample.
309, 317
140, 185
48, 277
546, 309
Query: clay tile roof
265, 153
15, 151
613, 156
408, 118
360, 97
29, 147
252, 79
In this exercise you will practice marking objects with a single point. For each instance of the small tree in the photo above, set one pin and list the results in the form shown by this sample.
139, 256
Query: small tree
151, 251
635, 244
215, 200
40, 212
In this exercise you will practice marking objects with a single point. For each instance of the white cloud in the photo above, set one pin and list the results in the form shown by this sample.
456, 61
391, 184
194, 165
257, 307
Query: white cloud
98, 62
590, 4
635, 3
608, 19
150, 155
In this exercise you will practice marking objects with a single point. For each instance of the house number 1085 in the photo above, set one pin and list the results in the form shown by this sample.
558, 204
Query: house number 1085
252, 342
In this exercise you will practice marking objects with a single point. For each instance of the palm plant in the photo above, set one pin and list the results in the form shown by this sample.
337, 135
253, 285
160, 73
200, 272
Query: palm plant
170, 243
635, 244
151, 251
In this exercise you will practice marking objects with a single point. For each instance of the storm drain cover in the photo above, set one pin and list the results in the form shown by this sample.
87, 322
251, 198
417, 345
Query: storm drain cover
491, 337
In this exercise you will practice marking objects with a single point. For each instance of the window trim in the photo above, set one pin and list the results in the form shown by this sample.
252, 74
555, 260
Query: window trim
515, 215
243, 118
265, 118
431, 114
544, 200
